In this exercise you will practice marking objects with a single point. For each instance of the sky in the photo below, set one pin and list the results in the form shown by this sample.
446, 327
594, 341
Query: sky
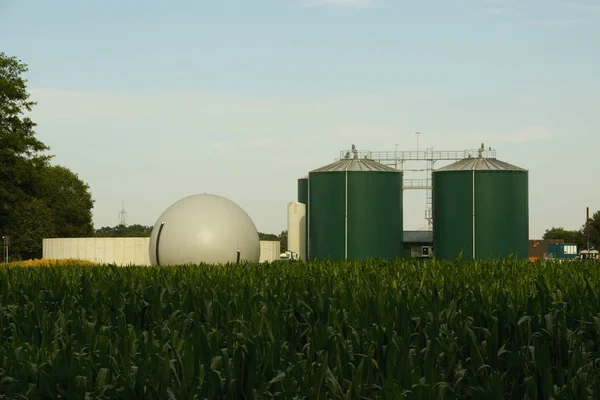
152, 101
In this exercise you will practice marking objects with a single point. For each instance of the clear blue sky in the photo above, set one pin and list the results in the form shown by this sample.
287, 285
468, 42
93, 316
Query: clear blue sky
150, 101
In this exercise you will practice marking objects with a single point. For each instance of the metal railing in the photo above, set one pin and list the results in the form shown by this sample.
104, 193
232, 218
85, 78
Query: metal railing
396, 159
427, 155
416, 184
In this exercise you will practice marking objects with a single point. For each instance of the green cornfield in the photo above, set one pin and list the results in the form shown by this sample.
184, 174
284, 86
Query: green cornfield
502, 329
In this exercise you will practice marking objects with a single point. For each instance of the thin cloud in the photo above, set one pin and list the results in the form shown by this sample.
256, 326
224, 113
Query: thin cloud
573, 21
497, 10
342, 3
585, 5
555, 12
525, 135
264, 142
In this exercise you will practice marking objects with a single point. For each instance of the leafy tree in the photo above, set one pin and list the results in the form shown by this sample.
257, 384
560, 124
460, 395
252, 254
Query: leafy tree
574, 237
594, 223
283, 238
578, 237
20, 151
32, 221
70, 200
268, 236
37, 200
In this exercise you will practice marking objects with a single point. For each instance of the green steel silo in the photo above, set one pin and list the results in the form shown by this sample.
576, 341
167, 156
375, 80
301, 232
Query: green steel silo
355, 211
480, 208
303, 198
303, 190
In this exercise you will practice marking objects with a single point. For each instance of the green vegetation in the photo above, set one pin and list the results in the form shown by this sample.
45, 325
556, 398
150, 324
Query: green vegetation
578, 237
135, 230
426, 330
37, 200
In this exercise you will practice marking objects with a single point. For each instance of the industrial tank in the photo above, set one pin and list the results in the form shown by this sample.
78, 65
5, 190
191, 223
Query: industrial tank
354, 211
303, 190
303, 198
204, 228
297, 229
480, 208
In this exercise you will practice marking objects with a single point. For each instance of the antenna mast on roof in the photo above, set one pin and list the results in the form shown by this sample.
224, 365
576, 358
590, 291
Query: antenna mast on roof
123, 215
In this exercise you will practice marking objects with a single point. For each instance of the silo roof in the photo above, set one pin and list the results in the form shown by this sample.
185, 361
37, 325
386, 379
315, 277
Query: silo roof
355, 164
480, 164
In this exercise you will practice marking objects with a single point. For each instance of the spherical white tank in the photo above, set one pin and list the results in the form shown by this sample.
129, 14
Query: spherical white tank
204, 228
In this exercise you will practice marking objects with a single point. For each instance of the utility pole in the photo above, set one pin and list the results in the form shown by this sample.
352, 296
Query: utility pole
587, 226
5, 243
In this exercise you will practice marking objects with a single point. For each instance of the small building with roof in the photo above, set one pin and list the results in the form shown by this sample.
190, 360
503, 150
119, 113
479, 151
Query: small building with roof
418, 244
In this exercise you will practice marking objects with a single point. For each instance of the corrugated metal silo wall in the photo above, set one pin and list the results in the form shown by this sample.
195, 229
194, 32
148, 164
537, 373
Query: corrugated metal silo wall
375, 224
303, 198
326, 221
452, 214
501, 214
303, 190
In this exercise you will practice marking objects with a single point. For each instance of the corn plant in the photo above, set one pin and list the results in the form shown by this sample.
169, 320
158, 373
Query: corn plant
500, 329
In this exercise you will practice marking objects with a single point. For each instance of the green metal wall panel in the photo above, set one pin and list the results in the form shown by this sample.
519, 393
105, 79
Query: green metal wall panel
303, 198
326, 222
452, 216
375, 224
501, 214
374, 206
407, 250
303, 190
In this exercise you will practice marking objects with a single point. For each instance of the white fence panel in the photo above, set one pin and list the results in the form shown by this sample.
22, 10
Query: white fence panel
119, 250
122, 250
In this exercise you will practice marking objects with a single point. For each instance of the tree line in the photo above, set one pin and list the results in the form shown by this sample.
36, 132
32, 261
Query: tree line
579, 236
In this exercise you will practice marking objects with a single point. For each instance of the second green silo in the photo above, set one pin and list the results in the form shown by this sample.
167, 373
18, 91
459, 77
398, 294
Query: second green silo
303, 190
355, 211
303, 198
480, 208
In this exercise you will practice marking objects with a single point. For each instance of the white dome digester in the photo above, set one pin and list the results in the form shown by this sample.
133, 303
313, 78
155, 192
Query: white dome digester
204, 228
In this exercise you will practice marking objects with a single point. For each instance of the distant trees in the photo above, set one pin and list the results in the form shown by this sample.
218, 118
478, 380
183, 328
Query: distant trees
70, 200
283, 237
566, 235
37, 200
135, 230
578, 237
